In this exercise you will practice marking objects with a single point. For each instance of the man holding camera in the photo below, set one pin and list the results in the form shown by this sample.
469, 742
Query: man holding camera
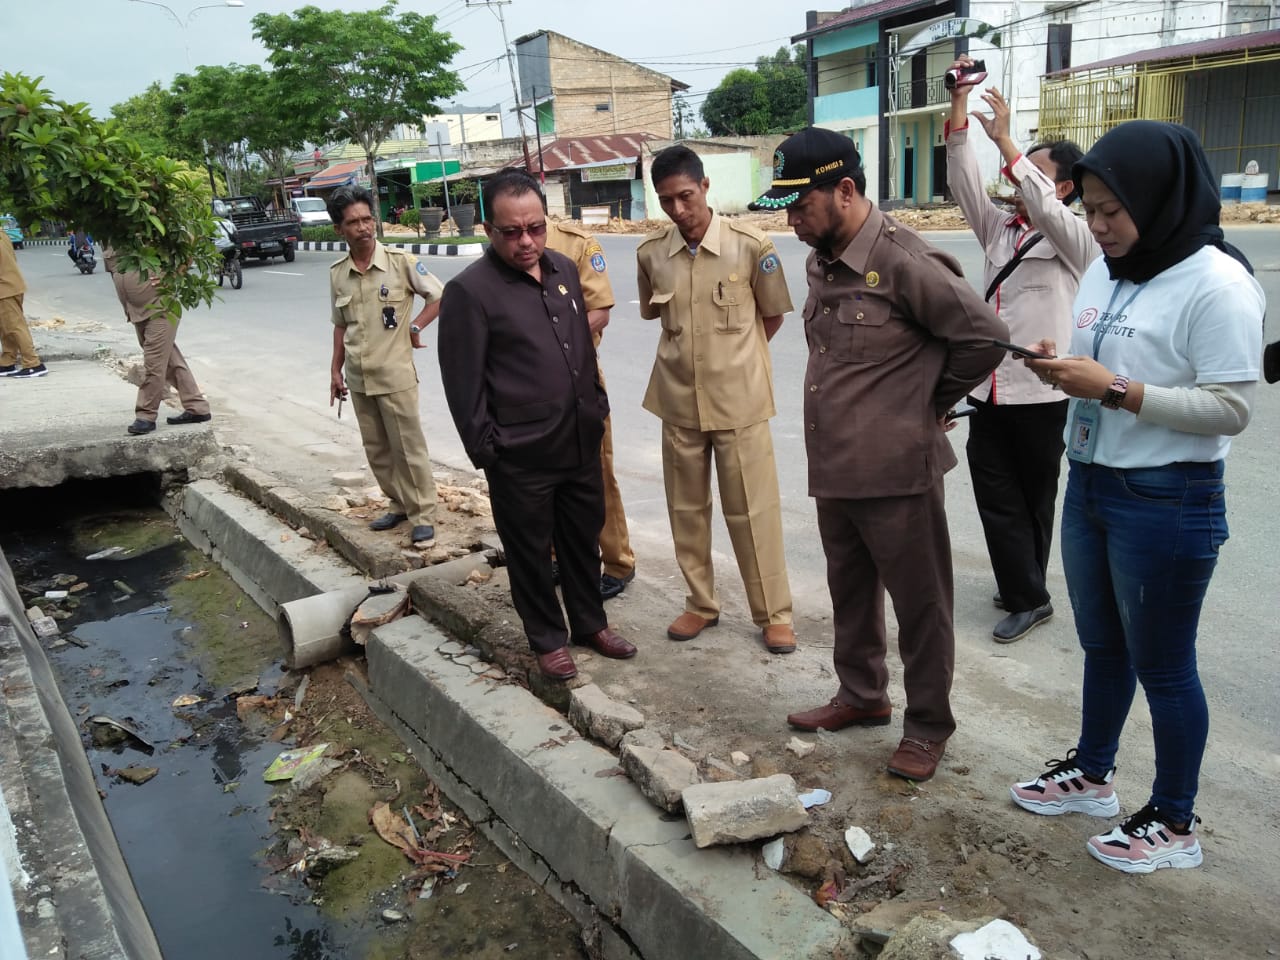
371, 291
896, 336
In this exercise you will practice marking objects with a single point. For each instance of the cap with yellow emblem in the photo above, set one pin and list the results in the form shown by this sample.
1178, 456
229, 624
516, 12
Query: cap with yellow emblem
814, 157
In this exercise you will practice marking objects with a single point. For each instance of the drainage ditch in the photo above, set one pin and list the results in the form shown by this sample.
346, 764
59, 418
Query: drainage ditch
174, 677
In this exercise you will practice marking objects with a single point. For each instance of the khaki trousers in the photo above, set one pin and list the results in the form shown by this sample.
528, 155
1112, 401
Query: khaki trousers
15, 335
615, 543
898, 544
397, 452
163, 364
748, 481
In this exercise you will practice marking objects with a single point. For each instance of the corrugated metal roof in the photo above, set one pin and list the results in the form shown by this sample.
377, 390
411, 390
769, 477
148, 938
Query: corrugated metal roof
868, 11
574, 152
1182, 51
338, 175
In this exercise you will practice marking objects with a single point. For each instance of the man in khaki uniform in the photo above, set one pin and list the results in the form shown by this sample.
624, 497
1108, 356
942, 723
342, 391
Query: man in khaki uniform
15, 335
163, 363
719, 290
615, 545
372, 290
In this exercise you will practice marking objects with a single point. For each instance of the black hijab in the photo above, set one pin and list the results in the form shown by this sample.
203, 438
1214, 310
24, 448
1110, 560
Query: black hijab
1159, 172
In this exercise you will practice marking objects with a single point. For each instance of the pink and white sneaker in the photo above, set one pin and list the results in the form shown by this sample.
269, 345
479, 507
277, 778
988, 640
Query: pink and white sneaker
1064, 789
1146, 843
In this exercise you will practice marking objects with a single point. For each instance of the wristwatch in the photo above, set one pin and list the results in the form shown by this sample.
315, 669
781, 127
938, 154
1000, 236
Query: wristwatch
413, 329
1114, 397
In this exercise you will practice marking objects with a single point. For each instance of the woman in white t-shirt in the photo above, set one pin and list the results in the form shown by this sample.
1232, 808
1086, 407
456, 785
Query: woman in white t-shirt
1161, 372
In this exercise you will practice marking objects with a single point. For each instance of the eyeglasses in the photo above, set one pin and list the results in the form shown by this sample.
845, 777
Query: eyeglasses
534, 230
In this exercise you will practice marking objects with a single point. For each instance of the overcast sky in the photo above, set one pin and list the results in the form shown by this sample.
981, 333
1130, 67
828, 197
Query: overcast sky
103, 51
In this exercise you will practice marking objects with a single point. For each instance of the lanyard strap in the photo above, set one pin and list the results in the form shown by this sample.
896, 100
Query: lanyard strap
1104, 326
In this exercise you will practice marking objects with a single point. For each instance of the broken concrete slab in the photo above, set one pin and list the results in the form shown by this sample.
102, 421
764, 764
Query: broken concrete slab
743, 810
644, 737
997, 940
859, 843
720, 772
45, 627
348, 478
661, 775
801, 748
594, 713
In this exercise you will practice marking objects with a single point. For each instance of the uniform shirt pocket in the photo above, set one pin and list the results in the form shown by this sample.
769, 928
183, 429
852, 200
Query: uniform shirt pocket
859, 334
524, 412
736, 306
663, 302
341, 307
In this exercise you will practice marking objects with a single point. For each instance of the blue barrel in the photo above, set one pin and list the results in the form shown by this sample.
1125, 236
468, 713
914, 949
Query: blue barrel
1231, 183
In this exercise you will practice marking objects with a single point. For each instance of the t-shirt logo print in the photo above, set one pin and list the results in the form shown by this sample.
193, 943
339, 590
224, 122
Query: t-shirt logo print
1086, 318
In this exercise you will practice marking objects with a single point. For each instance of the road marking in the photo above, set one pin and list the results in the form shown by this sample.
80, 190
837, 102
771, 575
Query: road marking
282, 273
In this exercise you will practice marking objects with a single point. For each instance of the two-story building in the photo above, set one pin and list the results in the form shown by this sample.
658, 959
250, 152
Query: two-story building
877, 67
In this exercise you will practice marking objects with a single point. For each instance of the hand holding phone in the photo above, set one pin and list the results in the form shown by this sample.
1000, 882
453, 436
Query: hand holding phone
1023, 352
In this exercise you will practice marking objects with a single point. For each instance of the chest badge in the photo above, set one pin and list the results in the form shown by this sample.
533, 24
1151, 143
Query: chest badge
563, 290
872, 278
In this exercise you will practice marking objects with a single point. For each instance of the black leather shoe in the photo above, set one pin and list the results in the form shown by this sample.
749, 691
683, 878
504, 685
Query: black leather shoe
610, 587
422, 533
186, 416
997, 601
1017, 625
387, 521
139, 427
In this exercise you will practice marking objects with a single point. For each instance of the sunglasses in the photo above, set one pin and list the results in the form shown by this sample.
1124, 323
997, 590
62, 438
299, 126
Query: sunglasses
534, 230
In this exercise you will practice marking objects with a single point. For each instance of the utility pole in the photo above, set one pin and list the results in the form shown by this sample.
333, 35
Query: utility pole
497, 5
542, 172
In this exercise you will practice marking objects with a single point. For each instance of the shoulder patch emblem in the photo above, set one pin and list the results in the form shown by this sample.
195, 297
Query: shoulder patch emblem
421, 268
770, 263
597, 262
872, 278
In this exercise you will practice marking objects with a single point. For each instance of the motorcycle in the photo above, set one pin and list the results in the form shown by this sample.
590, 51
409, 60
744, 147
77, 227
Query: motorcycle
84, 259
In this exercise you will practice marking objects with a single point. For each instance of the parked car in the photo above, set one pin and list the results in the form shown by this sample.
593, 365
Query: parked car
14, 231
259, 233
311, 211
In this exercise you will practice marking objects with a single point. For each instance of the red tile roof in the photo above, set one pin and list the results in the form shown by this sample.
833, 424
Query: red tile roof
1201, 48
338, 175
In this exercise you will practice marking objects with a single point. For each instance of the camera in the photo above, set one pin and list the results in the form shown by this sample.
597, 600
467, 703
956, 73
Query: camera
963, 77
389, 317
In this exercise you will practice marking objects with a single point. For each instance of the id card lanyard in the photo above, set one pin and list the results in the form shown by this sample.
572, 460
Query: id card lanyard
1082, 437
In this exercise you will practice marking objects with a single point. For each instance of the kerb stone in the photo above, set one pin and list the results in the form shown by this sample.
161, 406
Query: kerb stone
743, 810
596, 714
661, 775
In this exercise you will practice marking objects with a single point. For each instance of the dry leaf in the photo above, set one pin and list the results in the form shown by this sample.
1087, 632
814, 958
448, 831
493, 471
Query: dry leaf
285, 538
197, 575
393, 828
187, 699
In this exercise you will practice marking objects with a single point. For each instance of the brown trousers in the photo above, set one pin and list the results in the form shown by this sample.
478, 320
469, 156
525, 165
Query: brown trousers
615, 543
898, 544
15, 335
396, 449
748, 481
164, 365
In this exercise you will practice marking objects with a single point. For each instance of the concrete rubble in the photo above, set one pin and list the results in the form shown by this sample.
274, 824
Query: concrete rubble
743, 810
859, 843
801, 748
998, 940
594, 713
661, 775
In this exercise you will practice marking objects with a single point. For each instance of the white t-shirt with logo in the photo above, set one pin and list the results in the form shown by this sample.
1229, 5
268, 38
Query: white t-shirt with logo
1198, 322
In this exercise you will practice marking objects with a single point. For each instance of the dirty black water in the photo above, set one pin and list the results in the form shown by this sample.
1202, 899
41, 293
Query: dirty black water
157, 622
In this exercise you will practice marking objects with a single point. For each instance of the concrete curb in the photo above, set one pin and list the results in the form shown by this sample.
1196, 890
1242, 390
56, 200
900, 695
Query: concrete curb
423, 249
71, 886
559, 807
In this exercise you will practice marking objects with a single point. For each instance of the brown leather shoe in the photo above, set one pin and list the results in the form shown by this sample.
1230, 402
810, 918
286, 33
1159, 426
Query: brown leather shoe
608, 644
780, 638
689, 625
836, 716
917, 759
557, 664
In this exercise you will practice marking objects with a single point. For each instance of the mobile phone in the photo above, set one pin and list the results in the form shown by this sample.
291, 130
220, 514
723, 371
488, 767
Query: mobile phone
1018, 351
958, 412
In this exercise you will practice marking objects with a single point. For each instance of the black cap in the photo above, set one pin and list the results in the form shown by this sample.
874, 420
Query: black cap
811, 158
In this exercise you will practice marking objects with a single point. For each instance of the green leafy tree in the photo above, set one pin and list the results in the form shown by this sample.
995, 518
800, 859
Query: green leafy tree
738, 106
58, 162
149, 118
360, 74
273, 131
772, 98
214, 111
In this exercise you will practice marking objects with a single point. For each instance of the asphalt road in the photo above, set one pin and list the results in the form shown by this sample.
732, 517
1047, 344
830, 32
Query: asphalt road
267, 347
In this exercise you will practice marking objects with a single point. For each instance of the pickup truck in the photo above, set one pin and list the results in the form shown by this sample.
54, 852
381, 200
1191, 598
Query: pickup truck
260, 234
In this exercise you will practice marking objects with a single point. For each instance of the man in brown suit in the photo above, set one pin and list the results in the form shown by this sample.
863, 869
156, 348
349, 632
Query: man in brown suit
163, 363
896, 336
519, 373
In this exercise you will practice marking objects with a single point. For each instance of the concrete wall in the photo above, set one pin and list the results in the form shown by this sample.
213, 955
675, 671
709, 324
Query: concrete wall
734, 183
584, 79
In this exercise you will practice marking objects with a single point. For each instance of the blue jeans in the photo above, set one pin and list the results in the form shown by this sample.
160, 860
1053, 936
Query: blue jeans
1139, 547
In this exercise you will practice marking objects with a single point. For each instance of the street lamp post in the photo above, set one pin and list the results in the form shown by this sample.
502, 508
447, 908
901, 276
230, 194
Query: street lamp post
186, 49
